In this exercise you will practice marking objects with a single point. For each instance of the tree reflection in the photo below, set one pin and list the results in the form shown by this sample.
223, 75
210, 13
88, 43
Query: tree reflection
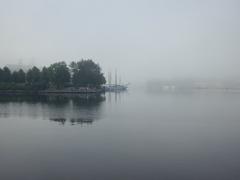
81, 121
75, 109
59, 120
73, 121
78, 100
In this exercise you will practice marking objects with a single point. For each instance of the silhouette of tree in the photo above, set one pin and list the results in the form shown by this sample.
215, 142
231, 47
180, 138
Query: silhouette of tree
33, 76
6, 75
59, 74
45, 77
18, 76
1, 75
21, 76
86, 73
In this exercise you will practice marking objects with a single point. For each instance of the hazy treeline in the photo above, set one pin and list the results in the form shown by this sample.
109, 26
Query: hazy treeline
84, 73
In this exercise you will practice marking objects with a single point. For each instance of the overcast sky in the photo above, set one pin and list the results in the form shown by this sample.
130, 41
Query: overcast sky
143, 39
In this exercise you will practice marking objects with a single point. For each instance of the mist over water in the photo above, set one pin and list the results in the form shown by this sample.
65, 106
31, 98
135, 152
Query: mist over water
179, 119
132, 135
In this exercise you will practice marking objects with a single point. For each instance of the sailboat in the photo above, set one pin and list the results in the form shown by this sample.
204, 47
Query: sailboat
114, 87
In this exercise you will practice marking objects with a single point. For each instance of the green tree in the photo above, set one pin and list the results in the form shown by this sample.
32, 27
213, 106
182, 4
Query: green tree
59, 74
21, 76
87, 73
1, 75
45, 77
18, 76
14, 76
6, 75
33, 76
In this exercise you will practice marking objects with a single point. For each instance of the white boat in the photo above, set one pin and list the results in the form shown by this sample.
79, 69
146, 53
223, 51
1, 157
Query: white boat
114, 87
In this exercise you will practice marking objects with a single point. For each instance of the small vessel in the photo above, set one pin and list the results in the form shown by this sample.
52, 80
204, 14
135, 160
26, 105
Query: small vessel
117, 86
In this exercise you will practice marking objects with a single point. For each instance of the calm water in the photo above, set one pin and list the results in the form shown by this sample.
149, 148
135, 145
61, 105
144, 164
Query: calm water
128, 136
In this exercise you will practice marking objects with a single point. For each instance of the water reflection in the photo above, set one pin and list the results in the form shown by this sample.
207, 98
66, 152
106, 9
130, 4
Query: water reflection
115, 97
59, 120
75, 109
142, 136
73, 121
84, 99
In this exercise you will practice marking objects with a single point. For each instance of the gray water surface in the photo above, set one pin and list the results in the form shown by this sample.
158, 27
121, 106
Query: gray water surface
126, 136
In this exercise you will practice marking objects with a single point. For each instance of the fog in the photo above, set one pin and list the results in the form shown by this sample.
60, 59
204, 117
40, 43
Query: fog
143, 39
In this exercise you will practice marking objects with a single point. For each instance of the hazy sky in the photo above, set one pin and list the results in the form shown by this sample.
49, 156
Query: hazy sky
143, 39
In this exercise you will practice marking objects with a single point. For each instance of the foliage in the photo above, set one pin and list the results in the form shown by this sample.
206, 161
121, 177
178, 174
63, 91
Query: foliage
6, 75
18, 76
86, 73
21, 76
45, 77
1, 75
59, 74
33, 76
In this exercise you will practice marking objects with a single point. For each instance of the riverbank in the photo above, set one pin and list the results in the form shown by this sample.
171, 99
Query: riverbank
70, 90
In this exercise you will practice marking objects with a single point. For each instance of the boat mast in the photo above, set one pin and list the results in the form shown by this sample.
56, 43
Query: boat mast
115, 77
120, 81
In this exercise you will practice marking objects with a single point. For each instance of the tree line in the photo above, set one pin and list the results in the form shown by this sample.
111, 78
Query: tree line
84, 73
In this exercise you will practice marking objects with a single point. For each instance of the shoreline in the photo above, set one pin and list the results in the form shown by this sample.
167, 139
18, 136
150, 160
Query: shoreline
49, 92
